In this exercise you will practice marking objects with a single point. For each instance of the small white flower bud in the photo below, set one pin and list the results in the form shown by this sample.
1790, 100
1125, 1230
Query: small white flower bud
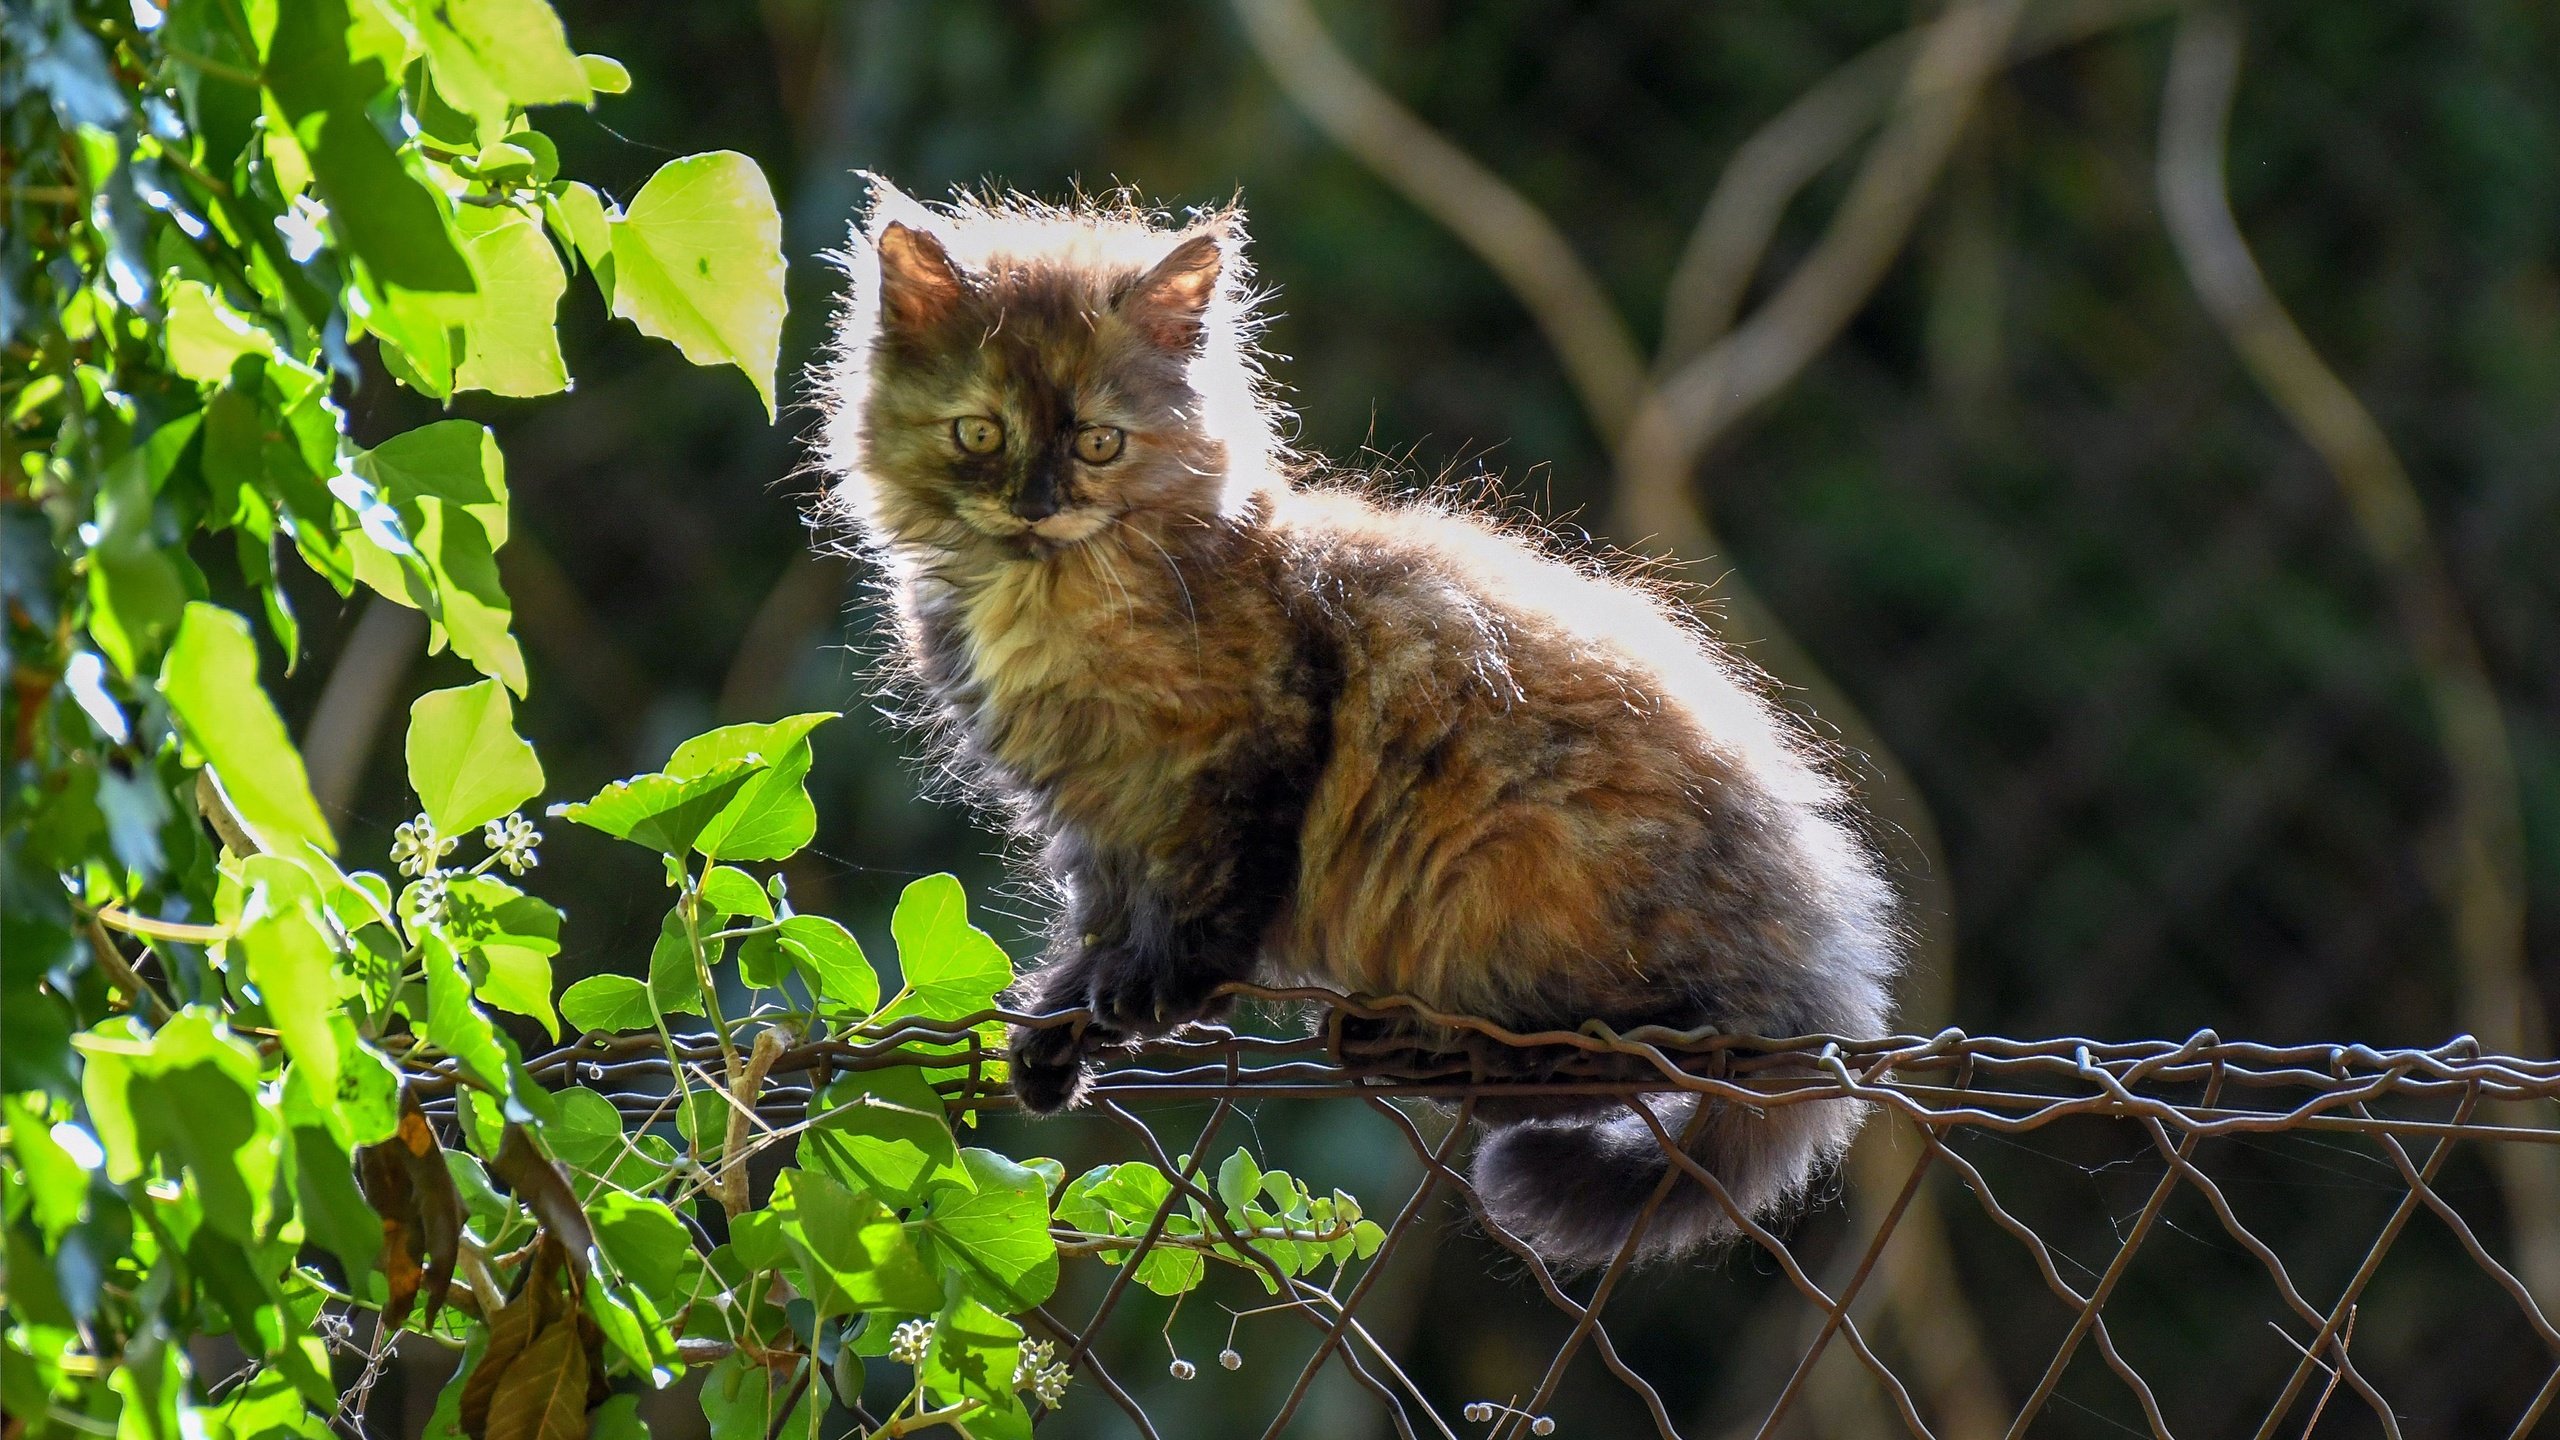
1184, 1369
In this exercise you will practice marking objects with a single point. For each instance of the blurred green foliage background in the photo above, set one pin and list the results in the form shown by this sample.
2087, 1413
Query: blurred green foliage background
2029, 511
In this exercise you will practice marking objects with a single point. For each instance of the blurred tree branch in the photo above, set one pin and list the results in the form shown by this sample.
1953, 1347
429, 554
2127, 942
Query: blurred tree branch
1768, 171
1532, 257
360, 691
2485, 882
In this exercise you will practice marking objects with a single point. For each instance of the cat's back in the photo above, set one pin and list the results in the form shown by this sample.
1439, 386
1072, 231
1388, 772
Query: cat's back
1442, 597
1533, 763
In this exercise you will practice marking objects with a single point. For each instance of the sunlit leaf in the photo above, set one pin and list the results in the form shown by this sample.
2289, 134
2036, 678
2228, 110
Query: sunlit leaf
211, 681
511, 344
820, 949
995, 1235
733, 892
187, 1093
287, 951
772, 817
466, 761
972, 1357
205, 335
507, 939
698, 260
392, 221
454, 1024
135, 591
659, 811
853, 1253
744, 1399
950, 967
608, 1003
883, 1131
643, 1239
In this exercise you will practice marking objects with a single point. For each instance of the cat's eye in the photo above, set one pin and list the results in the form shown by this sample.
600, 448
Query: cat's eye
1099, 444
977, 434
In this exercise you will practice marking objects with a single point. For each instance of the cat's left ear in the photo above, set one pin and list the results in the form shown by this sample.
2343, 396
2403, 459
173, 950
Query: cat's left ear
1168, 301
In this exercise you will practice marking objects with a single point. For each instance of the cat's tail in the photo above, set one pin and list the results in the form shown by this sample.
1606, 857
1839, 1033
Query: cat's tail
1571, 1188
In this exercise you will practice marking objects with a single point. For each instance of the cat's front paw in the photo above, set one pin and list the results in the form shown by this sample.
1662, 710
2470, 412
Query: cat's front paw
1134, 992
1046, 1066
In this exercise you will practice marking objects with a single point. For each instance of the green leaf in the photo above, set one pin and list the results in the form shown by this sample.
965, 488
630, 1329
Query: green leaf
431, 506
454, 1024
476, 618
618, 1418
59, 1186
649, 1246
661, 812
883, 1131
509, 938
702, 1118
605, 75
742, 1400
756, 1239
291, 958
731, 891
453, 460
853, 1254
333, 1210
587, 1129
828, 955
466, 761
698, 260
577, 217
609, 1003
1173, 1271
950, 967
675, 982
211, 681
771, 818
187, 1093
511, 344
972, 1357
1239, 1179
135, 591
387, 216
205, 336
493, 55
995, 1236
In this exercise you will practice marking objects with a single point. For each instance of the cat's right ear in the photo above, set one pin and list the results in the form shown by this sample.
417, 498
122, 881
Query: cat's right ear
919, 286
1167, 303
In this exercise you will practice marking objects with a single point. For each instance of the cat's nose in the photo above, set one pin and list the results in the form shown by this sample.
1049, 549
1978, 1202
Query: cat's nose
1036, 504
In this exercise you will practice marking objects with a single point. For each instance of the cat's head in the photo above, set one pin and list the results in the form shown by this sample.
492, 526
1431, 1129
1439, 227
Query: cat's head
1012, 378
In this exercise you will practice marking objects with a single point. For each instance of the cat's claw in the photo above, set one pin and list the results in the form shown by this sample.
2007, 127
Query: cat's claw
1047, 1068
1139, 995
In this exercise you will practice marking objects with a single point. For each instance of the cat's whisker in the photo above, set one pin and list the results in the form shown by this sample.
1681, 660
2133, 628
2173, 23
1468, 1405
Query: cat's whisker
1189, 612
1102, 562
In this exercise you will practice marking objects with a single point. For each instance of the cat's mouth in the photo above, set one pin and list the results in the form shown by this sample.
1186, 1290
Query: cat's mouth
1049, 532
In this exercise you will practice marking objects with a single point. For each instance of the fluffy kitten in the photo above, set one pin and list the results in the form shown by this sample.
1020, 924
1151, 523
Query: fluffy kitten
1272, 730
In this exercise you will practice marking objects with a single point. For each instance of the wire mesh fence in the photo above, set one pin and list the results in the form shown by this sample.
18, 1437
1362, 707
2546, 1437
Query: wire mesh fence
2272, 1240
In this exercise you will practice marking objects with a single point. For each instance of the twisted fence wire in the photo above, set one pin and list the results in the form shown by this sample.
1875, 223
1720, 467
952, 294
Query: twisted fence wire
1424, 1072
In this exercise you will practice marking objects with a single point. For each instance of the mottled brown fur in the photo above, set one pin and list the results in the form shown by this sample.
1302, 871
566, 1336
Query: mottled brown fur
1287, 730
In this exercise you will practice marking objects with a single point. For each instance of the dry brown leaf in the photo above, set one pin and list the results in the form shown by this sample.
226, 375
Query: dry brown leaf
543, 1394
510, 1331
385, 1183
543, 1186
405, 1180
